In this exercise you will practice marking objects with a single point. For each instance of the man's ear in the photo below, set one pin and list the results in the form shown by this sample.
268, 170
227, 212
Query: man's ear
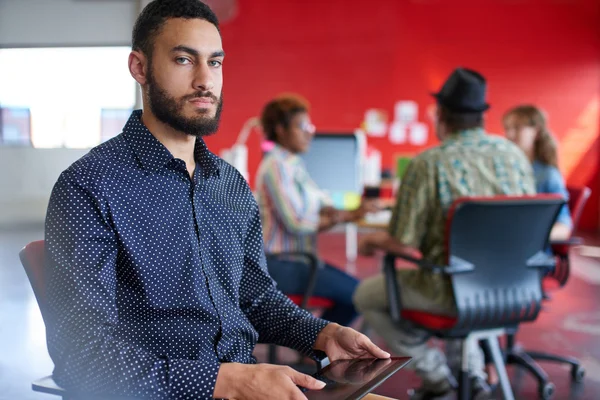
138, 67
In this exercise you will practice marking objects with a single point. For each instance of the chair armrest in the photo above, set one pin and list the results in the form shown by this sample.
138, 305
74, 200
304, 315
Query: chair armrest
309, 258
457, 264
542, 260
314, 264
417, 261
47, 385
391, 285
573, 241
561, 247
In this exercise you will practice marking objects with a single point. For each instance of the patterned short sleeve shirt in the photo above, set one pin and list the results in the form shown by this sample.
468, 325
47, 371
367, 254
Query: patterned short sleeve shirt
467, 163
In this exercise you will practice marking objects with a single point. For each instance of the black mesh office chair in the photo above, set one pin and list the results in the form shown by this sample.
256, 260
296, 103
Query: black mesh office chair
496, 257
305, 300
32, 258
556, 277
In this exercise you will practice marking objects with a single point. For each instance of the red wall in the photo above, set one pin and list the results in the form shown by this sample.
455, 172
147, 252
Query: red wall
347, 55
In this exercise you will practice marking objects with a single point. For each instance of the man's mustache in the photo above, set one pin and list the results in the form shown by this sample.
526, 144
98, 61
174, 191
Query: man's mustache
197, 95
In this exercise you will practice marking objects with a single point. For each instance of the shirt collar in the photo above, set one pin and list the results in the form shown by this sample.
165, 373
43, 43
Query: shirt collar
286, 155
153, 155
465, 134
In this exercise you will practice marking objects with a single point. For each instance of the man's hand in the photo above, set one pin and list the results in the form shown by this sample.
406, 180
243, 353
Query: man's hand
330, 216
339, 342
368, 244
366, 206
328, 211
262, 381
370, 206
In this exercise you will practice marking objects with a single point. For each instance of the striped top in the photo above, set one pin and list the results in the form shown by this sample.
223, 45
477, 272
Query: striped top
289, 202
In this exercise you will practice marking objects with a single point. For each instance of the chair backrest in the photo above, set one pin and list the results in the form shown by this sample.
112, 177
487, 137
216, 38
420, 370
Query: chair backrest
578, 197
33, 259
500, 243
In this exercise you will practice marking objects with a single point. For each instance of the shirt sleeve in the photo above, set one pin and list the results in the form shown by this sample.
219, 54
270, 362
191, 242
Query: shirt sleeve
411, 213
295, 204
275, 317
556, 184
82, 252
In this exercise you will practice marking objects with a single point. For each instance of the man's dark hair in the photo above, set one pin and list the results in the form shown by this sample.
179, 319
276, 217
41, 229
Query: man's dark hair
459, 121
155, 14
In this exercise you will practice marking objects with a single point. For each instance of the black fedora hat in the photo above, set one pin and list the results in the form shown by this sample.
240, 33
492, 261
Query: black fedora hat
463, 91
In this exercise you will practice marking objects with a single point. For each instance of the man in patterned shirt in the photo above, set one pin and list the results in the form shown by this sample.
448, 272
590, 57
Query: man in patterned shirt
468, 162
157, 280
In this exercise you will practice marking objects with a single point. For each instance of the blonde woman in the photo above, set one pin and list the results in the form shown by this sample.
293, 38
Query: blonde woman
526, 126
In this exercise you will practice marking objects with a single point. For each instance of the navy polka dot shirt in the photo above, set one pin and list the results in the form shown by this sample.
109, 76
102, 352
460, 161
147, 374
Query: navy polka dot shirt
154, 279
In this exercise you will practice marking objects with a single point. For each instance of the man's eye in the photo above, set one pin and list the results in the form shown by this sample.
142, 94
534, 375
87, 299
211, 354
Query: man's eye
182, 60
215, 63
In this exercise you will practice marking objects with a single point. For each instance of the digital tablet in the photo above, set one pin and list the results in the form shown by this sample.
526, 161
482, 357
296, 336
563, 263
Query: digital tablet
354, 379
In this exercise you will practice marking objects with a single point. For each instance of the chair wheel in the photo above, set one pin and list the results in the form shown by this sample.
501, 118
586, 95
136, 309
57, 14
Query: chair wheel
547, 391
577, 373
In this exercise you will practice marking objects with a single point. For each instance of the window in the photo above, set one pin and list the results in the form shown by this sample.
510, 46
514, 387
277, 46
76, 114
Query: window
15, 126
112, 122
64, 97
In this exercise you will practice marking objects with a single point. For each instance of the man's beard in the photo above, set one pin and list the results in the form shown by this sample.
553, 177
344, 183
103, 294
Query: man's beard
169, 110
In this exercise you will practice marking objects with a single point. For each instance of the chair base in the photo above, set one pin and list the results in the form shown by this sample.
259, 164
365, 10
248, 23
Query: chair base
527, 360
577, 371
491, 337
520, 358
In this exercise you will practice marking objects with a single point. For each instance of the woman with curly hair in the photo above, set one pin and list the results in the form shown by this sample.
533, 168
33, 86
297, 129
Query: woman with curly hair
294, 209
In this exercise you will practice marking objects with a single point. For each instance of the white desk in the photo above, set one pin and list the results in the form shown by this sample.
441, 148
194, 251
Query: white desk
378, 222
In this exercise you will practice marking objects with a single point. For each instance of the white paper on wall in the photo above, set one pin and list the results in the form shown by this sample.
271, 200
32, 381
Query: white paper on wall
398, 133
375, 123
418, 134
406, 111
372, 168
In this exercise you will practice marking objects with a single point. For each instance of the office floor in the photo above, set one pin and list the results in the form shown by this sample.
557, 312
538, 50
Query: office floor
570, 325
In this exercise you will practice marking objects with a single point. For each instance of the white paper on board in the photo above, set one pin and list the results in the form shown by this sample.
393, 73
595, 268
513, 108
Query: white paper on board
418, 134
406, 111
398, 133
375, 123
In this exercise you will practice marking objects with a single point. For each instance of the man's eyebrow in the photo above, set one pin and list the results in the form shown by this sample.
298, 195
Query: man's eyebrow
195, 52
185, 49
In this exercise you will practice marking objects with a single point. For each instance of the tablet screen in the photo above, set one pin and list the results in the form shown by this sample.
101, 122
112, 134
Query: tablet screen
353, 379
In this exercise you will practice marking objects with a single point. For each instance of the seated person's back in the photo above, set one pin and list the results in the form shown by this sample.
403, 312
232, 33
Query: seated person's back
468, 163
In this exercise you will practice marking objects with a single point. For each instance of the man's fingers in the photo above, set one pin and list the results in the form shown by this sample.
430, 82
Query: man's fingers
305, 381
373, 349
